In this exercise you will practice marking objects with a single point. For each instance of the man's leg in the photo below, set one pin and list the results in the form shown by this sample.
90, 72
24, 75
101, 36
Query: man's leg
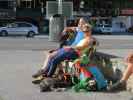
48, 57
43, 72
121, 84
128, 72
61, 56
45, 67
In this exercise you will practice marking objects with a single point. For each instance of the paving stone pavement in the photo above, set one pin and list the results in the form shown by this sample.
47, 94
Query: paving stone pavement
20, 58
15, 80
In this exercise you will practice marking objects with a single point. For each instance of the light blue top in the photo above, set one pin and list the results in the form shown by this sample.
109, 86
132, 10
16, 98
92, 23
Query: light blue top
79, 36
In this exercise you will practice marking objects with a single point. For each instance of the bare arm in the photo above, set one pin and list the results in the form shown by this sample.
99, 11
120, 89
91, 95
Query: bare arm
69, 28
84, 45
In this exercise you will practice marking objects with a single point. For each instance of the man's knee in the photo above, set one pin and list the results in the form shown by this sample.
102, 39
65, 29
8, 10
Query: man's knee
130, 58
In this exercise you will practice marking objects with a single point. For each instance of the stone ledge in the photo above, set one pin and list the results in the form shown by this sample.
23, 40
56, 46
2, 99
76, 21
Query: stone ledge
130, 84
113, 67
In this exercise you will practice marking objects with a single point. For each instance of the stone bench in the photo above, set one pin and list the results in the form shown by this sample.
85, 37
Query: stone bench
113, 68
130, 84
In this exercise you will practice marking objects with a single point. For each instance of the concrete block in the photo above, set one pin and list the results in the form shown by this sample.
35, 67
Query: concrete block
111, 66
130, 84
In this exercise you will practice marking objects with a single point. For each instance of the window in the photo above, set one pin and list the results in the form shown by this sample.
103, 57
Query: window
12, 25
4, 4
122, 25
32, 3
25, 4
108, 25
24, 25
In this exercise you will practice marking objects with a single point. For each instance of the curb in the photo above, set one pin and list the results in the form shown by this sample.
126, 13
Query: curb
116, 37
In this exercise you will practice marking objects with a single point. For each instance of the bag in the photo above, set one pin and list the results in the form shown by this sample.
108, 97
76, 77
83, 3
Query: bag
88, 84
50, 84
100, 80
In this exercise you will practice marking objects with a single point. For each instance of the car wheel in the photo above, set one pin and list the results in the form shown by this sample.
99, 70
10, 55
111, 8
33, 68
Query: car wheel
4, 33
31, 34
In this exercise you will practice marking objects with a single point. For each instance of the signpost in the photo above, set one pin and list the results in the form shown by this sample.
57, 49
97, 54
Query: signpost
59, 6
56, 12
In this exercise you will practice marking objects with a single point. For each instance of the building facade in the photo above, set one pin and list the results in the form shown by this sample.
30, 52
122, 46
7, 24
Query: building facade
35, 10
7, 10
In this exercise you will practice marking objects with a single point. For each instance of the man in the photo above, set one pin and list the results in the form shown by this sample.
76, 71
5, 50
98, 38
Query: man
121, 84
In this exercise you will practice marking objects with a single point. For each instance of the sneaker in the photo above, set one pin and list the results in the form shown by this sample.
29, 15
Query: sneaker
40, 72
118, 86
38, 80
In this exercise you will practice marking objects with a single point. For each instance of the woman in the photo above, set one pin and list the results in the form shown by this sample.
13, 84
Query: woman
121, 84
68, 52
77, 30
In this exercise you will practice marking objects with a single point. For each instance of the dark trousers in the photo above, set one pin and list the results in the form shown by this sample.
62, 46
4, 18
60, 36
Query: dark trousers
62, 54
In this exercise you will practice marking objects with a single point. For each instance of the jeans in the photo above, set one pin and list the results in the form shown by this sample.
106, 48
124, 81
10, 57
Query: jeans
62, 54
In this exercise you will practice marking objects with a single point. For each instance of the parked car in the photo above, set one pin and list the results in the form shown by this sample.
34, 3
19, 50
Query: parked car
118, 27
106, 28
19, 28
110, 28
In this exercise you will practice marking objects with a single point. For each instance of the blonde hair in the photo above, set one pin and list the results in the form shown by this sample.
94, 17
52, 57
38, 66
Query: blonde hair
87, 27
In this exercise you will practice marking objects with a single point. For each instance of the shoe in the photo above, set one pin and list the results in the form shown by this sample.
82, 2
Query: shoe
38, 80
40, 72
118, 86
51, 51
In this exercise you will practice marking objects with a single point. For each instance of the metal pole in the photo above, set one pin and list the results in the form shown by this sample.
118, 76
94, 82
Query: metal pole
42, 9
60, 6
34, 3
14, 6
26, 4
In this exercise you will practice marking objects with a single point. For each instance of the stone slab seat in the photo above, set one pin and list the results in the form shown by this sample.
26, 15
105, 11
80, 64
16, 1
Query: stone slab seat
113, 67
130, 84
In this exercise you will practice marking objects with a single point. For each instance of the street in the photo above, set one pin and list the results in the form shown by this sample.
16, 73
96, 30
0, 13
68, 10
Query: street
21, 57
